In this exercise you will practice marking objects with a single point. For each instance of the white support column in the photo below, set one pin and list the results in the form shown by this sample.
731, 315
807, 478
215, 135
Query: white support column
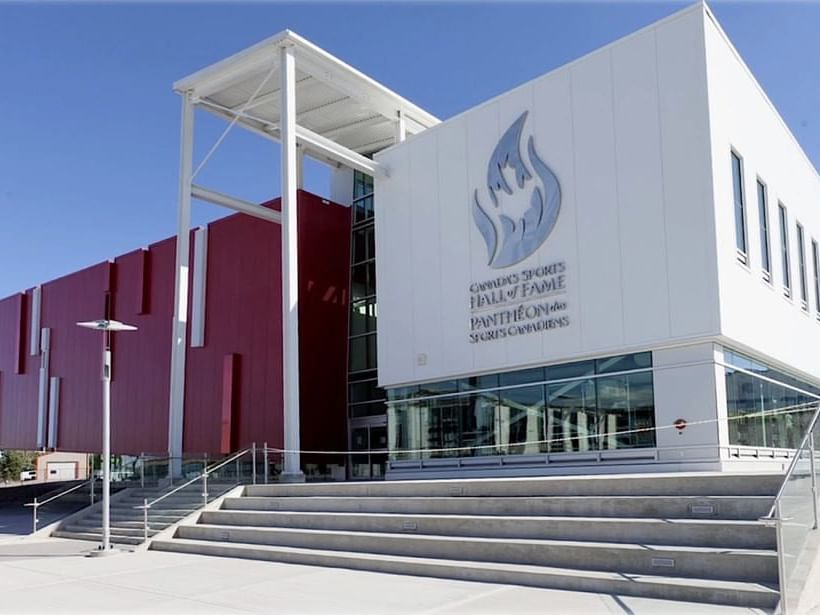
300, 167
400, 128
290, 265
179, 342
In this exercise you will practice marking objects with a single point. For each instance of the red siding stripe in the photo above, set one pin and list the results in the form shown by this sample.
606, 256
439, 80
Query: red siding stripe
228, 367
143, 283
19, 351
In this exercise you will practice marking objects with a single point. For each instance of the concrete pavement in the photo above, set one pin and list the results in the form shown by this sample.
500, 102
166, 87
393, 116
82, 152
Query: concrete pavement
51, 575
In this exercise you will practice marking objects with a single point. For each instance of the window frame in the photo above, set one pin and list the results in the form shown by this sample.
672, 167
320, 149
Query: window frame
801, 266
739, 207
816, 262
764, 227
785, 251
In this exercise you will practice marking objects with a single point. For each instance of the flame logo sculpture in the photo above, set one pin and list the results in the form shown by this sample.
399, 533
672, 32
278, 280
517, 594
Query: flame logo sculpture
512, 239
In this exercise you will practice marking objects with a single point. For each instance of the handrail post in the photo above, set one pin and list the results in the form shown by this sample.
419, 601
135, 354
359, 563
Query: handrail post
145, 520
253, 462
34, 509
142, 470
813, 465
265, 460
205, 482
92, 488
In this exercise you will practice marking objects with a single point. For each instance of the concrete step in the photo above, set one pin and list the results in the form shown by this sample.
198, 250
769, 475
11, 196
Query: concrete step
96, 523
692, 532
655, 586
662, 507
115, 530
90, 536
759, 565
677, 484
131, 515
170, 502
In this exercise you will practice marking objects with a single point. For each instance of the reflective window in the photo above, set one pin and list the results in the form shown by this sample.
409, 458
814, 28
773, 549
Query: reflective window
523, 376
478, 383
520, 420
740, 213
571, 370
801, 266
816, 262
763, 217
438, 388
784, 249
479, 427
403, 431
572, 416
441, 421
363, 317
762, 412
623, 363
626, 411
362, 353
558, 409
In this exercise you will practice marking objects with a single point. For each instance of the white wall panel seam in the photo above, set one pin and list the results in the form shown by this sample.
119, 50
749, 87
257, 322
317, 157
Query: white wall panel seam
663, 186
577, 278
617, 193
412, 212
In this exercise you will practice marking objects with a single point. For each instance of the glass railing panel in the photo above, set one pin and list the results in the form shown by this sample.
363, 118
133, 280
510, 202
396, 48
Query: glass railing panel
796, 509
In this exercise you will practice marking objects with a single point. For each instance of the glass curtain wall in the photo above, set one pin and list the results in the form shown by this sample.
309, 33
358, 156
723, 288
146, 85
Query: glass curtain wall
602, 404
366, 401
766, 407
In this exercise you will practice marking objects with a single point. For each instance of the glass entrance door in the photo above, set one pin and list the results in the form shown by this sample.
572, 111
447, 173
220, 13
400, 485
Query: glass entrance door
368, 435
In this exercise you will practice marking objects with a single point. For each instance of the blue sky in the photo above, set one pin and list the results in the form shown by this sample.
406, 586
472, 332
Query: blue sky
89, 127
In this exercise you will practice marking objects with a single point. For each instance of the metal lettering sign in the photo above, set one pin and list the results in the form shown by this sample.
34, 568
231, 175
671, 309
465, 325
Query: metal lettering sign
518, 219
522, 213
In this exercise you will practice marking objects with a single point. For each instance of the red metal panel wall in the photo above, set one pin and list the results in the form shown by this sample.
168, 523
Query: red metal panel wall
144, 297
324, 278
243, 319
76, 354
18, 392
242, 307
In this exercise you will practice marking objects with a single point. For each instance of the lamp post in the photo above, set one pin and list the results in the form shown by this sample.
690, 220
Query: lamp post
107, 327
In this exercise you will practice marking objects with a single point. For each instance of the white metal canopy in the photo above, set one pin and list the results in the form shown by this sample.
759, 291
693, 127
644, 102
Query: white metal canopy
288, 90
336, 105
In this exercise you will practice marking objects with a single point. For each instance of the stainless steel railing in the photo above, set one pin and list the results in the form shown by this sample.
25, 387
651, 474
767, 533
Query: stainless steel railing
204, 475
37, 504
795, 515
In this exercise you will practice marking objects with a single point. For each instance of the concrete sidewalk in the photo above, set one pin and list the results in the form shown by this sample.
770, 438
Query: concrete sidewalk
51, 575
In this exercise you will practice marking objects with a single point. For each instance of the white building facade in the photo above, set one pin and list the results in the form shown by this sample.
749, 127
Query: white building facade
610, 268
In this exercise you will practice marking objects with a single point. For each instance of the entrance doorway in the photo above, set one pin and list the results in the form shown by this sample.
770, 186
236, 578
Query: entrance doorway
368, 434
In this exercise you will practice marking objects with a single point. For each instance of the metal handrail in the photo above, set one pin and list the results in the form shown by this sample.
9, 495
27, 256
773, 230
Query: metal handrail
775, 517
207, 471
204, 473
772, 515
36, 505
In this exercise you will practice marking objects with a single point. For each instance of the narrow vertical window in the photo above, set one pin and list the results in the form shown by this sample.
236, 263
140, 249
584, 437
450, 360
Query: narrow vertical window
765, 251
784, 248
801, 266
740, 213
816, 263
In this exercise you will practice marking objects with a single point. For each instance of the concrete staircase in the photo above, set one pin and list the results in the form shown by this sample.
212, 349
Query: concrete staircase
691, 537
127, 519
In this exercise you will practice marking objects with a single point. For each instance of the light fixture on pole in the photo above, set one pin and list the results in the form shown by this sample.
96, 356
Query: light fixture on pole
107, 327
